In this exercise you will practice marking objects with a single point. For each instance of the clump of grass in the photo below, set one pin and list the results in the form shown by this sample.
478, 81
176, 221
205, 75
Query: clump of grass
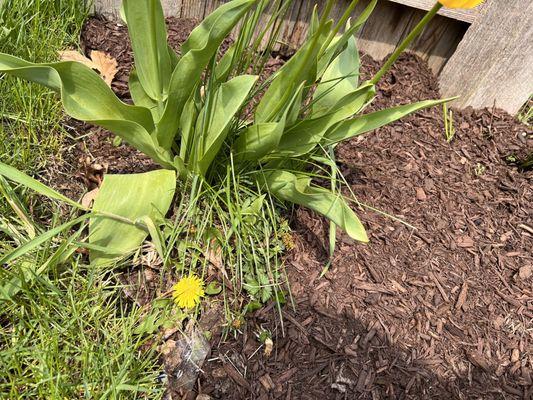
236, 232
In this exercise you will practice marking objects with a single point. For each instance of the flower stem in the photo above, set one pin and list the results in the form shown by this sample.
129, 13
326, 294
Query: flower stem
407, 41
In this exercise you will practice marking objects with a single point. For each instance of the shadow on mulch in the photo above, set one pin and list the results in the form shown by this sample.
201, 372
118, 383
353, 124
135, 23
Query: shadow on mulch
443, 311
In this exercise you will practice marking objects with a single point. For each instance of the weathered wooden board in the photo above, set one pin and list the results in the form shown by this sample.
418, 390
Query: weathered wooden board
493, 63
458, 14
389, 24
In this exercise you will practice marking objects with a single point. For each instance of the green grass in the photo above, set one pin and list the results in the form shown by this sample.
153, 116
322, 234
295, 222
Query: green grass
66, 330
68, 333
30, 116
72, 337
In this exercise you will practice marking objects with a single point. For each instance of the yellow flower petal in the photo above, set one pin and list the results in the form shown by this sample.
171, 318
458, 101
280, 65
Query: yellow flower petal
466, 4
188, 292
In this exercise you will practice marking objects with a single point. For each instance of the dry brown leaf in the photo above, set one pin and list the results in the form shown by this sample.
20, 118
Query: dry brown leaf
88, 198
106, 65
72, 55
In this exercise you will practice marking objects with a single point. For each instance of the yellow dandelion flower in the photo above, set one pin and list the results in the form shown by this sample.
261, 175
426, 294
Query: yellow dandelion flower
188, 291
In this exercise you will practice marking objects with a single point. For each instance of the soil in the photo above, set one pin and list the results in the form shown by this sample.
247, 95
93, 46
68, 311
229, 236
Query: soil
440, 309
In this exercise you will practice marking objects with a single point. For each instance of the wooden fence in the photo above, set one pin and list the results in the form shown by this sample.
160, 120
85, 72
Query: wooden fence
484, 55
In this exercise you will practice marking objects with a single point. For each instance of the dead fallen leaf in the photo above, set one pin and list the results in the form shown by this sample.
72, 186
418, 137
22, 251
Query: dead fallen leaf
106, 65
88, 198
72, 55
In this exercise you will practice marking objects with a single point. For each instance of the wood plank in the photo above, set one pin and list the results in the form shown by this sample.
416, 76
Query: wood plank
385, 28
439, 40
492, 65
455, 13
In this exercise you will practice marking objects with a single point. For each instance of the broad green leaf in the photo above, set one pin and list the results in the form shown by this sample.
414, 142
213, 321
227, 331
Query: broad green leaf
340, 79
305, 135
132, 197
369, 122
298, 190
187, 125
197, 51
21, 178
258, 140
227, 101
86, 97
147, 30
223, 67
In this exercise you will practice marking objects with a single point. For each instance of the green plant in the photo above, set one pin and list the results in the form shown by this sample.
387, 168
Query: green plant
191, 116
479, 169
31, 129
449, 129
525, 115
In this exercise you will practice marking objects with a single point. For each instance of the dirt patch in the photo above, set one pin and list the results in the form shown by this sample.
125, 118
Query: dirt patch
441, 311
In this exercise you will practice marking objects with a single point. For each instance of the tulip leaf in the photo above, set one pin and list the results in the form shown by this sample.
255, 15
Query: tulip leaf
369, 122
147, 30
197, 51
289, 78
132, 198
297, 189
340, 79
227, 101
303, 137
86, 97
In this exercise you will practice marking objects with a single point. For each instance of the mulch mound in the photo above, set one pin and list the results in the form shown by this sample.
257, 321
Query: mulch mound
442, 309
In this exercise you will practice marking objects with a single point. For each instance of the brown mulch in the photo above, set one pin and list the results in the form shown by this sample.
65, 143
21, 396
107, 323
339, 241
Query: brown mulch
442, 311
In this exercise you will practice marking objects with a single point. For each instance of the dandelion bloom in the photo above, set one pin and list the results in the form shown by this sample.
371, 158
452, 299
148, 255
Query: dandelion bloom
188, 291
460, 3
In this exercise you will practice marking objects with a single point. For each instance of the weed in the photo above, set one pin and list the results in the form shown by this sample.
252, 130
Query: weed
480, 169
449, 129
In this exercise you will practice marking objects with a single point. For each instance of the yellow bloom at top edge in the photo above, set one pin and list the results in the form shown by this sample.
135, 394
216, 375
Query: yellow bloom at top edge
188, 291
460, 3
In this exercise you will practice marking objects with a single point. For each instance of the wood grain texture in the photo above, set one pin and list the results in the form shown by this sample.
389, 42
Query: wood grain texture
458, 14
492, 65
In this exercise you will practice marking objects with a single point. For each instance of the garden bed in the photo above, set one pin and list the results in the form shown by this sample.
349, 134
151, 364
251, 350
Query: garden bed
444, 310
